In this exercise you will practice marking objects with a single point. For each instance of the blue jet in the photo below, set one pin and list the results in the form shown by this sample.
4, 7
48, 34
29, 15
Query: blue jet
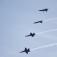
25, 50
31, 34
44, 10
38, 22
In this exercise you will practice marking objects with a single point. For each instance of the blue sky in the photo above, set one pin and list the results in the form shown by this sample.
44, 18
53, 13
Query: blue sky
16, 21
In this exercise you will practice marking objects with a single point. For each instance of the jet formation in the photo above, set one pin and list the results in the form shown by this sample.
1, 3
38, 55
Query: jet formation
31, 34
38, 22
25, 50
44, 10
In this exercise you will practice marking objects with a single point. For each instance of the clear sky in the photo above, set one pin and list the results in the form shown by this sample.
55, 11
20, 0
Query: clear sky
16, 21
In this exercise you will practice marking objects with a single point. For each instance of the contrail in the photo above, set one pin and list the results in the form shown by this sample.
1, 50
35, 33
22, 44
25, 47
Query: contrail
44, 46
47, 31
50, 19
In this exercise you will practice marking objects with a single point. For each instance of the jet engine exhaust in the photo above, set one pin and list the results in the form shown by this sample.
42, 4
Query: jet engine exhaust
44, 46
51, 30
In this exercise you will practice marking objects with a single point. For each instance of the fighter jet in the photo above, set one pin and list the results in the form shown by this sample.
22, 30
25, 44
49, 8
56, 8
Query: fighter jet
43, 10
38, 22
31, 34
25, 50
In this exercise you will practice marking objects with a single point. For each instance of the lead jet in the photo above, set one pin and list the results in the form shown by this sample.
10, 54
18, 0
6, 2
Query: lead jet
44, 10
38, 22
25, 50
31, 34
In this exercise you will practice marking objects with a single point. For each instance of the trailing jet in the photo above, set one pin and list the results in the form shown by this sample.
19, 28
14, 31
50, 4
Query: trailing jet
43, 10
25, 50
38, 22
31, 34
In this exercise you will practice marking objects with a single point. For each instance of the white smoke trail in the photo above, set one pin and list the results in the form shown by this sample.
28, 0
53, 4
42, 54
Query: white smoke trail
47, 31
50, 19
44, 46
